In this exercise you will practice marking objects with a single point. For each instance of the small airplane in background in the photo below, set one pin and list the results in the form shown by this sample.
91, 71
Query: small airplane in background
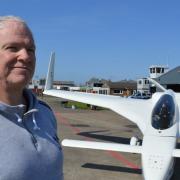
157, 118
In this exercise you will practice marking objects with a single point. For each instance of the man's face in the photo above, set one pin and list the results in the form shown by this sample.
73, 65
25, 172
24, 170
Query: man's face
17, 54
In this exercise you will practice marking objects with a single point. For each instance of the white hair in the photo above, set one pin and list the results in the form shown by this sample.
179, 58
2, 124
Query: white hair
4, 19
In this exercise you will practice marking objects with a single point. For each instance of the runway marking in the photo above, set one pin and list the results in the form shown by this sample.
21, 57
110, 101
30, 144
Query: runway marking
116, 155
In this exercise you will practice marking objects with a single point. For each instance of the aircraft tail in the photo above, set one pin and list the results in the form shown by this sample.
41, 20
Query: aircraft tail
50, 73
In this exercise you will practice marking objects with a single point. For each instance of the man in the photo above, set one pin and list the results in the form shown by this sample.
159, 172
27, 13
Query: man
29, 147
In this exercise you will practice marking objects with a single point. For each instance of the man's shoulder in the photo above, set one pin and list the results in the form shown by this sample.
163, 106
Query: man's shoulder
44, 109
44, 104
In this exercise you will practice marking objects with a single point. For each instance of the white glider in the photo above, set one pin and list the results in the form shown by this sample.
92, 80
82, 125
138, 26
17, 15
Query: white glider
157, 118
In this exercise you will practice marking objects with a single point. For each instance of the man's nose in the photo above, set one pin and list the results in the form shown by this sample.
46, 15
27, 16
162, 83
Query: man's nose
23, 55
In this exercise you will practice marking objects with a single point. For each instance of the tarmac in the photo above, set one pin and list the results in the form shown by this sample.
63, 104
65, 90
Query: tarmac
103, 126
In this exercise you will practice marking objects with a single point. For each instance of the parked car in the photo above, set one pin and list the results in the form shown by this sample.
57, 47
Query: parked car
141, 96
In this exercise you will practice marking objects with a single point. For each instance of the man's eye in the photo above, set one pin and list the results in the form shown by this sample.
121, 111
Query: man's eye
12, 48
32, 50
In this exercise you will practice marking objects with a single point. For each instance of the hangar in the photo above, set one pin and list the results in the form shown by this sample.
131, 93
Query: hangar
170, 79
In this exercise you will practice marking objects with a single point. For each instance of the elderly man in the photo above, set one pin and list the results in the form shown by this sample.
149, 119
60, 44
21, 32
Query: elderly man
29, 144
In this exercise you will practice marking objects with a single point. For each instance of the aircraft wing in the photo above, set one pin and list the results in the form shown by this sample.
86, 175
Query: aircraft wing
136, 110
176, 153
178, 102
178, 98
102, 146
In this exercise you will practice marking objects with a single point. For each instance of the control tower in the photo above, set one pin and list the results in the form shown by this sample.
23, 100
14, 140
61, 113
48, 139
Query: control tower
157, 70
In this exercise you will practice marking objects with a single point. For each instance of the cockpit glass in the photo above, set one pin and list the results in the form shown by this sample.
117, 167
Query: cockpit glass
163, 113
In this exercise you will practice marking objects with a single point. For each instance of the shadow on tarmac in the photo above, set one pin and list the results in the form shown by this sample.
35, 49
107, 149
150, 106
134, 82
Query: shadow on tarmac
115, 139
80, 125
92, 134
175, 176
112, 168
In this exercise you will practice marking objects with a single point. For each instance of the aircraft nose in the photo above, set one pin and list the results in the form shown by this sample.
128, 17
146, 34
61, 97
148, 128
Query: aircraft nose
157, 167
157, 160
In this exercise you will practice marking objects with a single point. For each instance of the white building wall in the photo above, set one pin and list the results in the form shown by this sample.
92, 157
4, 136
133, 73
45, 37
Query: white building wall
143, 85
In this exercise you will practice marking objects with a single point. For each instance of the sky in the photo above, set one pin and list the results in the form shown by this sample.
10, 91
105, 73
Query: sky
106, 39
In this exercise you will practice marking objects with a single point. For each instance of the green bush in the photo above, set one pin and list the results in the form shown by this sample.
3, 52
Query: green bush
77, 105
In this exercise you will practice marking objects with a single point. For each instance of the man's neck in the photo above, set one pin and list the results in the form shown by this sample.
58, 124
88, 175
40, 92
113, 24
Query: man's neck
12, 97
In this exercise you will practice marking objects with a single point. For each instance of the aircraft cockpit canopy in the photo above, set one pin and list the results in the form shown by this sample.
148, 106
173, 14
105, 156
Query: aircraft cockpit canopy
163, 113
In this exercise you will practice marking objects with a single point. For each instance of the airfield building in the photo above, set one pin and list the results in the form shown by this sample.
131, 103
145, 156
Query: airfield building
170, 79
120, 88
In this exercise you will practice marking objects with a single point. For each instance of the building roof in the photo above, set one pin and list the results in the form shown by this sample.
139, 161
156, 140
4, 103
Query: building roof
64, 83
122, 84
170, 77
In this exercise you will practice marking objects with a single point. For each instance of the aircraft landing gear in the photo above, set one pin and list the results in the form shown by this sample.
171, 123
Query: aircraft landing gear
135, 141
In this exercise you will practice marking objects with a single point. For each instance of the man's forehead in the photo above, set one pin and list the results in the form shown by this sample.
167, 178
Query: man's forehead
14, 31
15, 27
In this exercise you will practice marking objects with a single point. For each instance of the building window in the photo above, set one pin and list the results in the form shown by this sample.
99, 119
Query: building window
158, 70
118, 91
102, 91
146, 81
139, 82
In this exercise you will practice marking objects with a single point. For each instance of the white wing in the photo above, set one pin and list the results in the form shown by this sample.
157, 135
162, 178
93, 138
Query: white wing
136, 110
178, 99
102, 146
176, 153
178, 102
